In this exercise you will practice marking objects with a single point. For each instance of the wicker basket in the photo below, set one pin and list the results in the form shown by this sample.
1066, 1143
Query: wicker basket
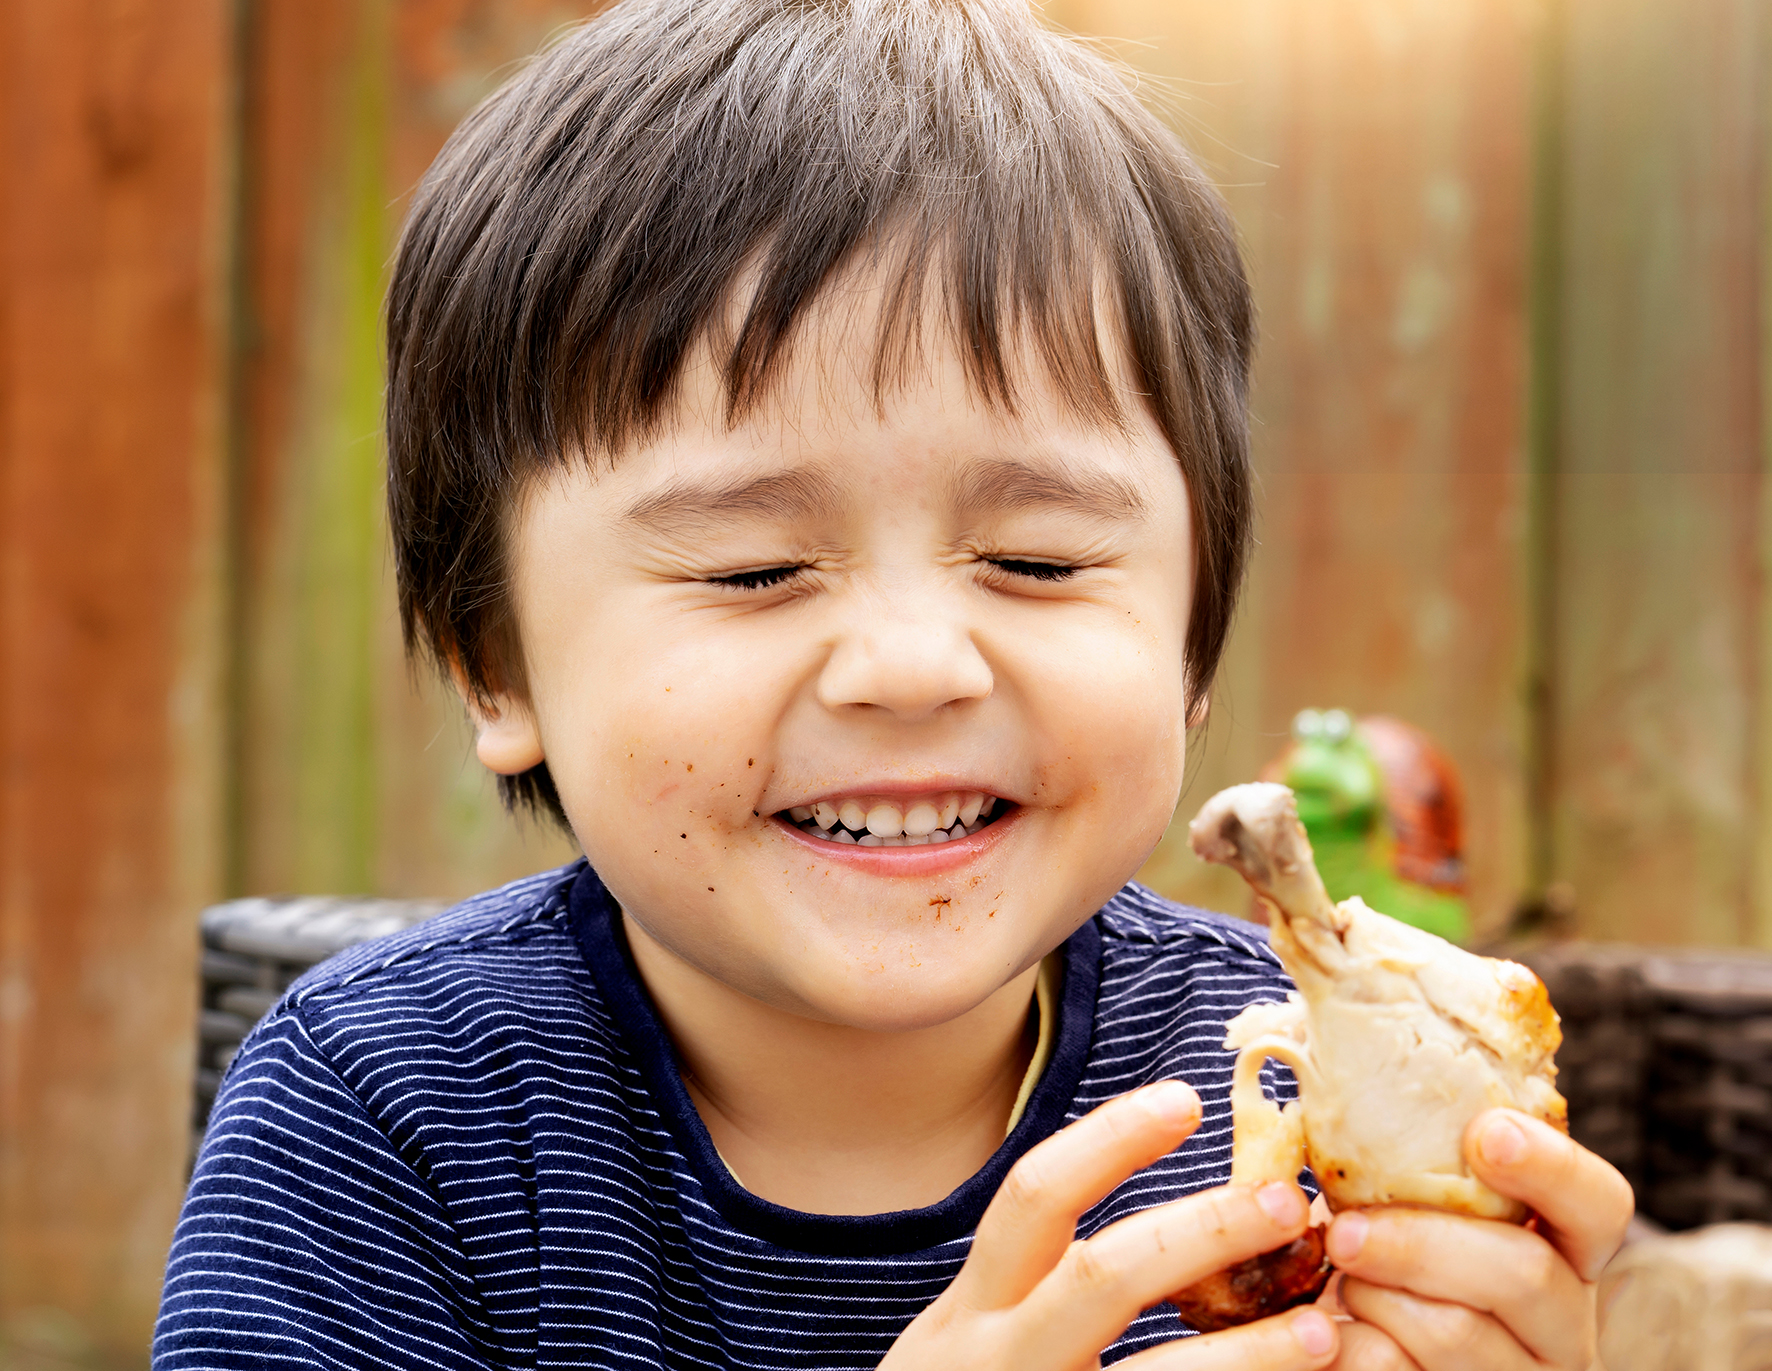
253, 949
1667, 1067
1708, 1129
1602, 1068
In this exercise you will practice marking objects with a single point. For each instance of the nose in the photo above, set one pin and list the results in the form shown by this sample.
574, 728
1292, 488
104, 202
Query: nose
912, 665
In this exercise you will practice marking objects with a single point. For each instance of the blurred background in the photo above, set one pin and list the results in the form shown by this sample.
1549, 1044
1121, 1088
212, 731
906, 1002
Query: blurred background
1510, 420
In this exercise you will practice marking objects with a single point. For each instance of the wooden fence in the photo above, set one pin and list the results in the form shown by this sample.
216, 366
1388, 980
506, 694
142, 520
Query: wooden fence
1510, 422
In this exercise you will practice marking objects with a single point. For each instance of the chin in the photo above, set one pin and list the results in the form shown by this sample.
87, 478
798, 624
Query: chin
920, 987
900, 1006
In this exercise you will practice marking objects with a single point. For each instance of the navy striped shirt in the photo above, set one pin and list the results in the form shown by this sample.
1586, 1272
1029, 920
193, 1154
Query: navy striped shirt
469, 1145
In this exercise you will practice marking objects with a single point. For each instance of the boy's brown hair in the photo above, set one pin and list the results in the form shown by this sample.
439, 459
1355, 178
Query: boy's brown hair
591, 223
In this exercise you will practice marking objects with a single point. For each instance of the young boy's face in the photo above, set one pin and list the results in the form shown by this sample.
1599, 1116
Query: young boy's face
829, 607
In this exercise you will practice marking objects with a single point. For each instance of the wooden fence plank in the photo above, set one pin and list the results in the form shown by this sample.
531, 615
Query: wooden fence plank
1657, 545
112, 265
1376, 153
357, 775
315, 86
1761, 927
442, 826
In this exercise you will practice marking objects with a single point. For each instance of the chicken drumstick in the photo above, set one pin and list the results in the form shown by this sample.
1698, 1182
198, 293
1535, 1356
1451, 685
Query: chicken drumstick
1398, 1040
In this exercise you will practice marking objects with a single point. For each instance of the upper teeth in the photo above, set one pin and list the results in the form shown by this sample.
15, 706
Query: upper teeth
926, 818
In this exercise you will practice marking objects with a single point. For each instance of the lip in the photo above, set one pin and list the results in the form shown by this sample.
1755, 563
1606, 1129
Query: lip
928, 859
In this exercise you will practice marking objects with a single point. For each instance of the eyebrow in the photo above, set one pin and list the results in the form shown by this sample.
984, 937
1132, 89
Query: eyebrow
997, 485
684, 507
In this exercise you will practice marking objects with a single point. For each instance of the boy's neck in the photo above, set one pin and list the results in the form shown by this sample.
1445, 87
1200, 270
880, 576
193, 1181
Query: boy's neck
830, 1119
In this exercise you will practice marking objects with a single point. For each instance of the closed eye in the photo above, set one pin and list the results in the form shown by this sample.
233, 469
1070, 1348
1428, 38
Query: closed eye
1036, 571
761, 579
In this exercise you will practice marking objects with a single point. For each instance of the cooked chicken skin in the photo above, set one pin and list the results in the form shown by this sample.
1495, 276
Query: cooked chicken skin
1397, 1037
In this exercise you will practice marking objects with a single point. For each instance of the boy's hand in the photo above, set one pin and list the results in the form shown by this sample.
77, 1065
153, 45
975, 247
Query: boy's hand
1442, 1293
1033, 1297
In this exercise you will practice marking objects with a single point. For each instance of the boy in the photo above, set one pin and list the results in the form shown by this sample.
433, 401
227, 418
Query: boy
817, 453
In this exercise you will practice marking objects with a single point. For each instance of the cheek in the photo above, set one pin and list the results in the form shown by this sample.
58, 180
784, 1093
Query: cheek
1114, 712
1124, 687
1136, 747
663, 814
675, 774
661, 750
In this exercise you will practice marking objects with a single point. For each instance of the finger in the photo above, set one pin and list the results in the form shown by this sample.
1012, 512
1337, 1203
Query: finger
1583, 1202
1103, 1282
1366, 1347
1437, 1335
1299, 1341
1496, 1268
1032, 1220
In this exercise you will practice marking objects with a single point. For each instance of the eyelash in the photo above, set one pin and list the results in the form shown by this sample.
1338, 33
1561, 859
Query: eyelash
1034, 571
767, 577
762, 579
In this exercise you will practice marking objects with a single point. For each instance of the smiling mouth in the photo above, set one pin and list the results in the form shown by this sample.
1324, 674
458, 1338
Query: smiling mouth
881, 821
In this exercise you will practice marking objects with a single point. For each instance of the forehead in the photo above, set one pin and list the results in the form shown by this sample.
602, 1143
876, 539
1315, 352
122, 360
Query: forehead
826, 431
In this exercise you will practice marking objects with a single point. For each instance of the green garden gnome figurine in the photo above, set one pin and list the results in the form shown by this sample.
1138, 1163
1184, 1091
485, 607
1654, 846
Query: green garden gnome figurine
1381, 804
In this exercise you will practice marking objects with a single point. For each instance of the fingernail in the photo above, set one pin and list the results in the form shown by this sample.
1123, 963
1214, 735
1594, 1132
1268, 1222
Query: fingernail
1174, 1102
1282, 1203
1347, 1235
1504, 1143
1315, 1334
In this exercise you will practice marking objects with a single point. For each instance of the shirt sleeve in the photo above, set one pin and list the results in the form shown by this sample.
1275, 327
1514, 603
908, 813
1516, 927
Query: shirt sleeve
306, 1238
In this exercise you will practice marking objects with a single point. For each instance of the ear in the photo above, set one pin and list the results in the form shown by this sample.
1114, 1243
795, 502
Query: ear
1198, 711
506, 738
